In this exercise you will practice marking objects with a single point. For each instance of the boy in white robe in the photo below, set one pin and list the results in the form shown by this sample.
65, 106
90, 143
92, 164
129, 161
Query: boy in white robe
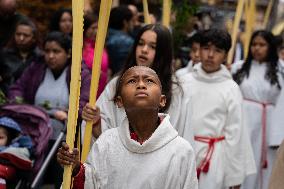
194, 54
223, 150
144, 152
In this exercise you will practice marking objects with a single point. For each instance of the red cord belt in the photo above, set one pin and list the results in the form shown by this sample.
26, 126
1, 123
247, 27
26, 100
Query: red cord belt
205, 163
264, 105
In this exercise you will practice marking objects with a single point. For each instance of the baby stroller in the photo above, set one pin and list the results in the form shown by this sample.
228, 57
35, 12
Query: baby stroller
35, 123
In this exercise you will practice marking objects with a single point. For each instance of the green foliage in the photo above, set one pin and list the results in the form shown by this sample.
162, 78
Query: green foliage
184, 10
19, 100
46, 105
3, 99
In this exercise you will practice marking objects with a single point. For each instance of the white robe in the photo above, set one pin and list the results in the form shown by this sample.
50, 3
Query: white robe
256, 87
112, 116
164, 161
277, 120
182, 71
216, 110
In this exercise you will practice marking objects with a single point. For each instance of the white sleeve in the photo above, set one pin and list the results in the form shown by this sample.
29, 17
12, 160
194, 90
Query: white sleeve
91, 180
236, 66
111, 115
234, 157
189, 172
180, 110
96, 165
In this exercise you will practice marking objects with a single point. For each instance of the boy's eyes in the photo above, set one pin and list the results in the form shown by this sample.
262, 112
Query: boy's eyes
135, 81
131, 81
214, 49
219, 50
150, 80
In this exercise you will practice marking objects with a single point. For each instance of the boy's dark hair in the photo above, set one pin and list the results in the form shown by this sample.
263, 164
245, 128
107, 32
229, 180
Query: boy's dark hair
219, 38
118, 15
195, 38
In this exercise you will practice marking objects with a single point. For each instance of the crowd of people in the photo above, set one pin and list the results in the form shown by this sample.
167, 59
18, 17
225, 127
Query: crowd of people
207, 125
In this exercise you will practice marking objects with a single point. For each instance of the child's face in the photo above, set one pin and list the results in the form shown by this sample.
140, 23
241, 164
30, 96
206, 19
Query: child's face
212, 57
141, 89
195, 52
3, 136
146, 49
259, 48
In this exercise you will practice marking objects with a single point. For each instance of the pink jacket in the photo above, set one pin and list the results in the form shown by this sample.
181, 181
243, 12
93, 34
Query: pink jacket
88, 55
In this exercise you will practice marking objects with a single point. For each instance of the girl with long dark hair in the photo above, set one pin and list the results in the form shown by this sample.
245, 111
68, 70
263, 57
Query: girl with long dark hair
259, 83
152, 48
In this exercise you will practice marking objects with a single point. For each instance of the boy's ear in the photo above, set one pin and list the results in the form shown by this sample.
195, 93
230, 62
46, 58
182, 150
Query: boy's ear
163, 101
119, 101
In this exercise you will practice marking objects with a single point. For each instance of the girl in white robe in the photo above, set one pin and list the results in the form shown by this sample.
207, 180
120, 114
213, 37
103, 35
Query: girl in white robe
223, 150
144, 152
155, 53
260, 87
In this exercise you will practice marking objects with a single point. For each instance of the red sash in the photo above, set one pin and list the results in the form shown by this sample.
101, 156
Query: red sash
205, 163
264, 105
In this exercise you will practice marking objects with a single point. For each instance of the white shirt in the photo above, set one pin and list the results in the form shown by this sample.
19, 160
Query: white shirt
164, 161
54, 91
185, 70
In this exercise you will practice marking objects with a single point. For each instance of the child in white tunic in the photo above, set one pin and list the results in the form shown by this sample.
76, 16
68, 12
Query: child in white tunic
152, 48
259, 83
144, 152
223, 150
194, 55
